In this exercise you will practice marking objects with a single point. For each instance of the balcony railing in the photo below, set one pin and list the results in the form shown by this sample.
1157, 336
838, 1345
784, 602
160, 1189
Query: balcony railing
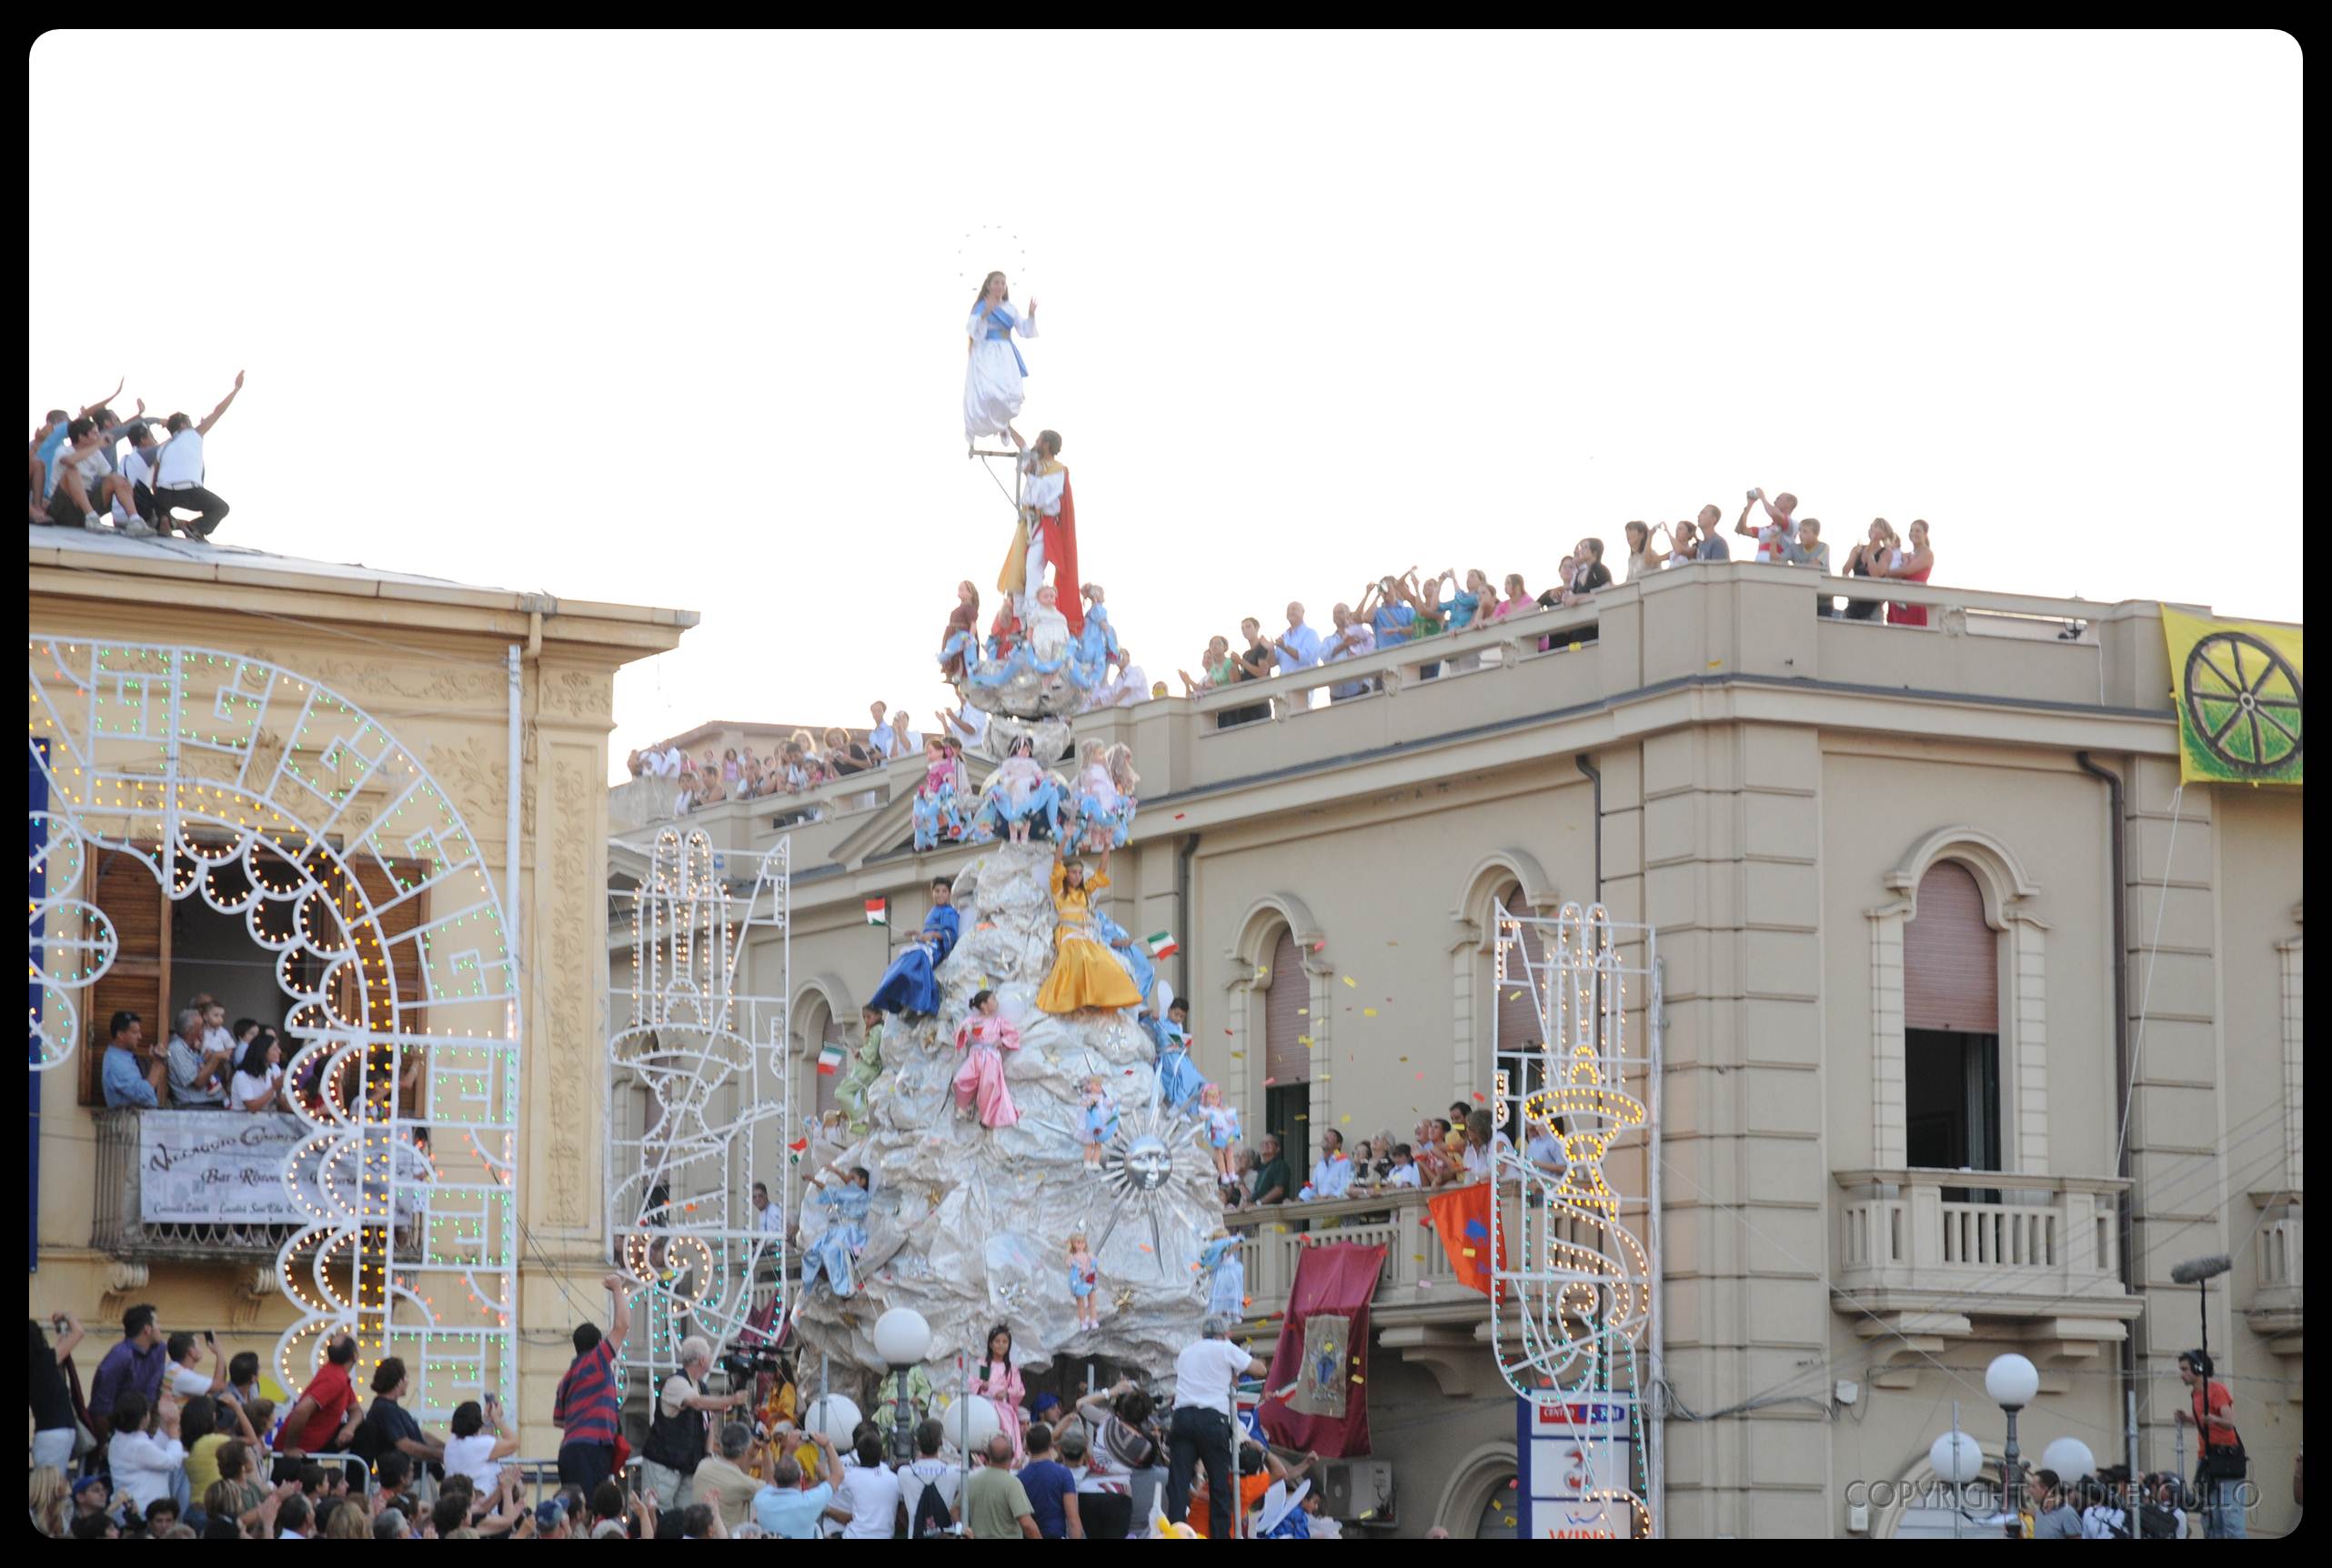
120, 1229
2055, 1239
1416, 1280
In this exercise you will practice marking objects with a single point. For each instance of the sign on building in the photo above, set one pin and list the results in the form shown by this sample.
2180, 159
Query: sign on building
1575, 1457
225, 1167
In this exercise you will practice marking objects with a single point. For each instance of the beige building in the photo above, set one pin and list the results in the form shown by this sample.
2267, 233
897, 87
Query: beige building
1924, 897
345, 735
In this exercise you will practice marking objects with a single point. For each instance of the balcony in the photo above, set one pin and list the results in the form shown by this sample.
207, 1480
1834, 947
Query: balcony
240, 1233
2275, 1311
1920, 1257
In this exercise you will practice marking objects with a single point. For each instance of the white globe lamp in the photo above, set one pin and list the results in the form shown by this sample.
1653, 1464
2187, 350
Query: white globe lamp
1956, 1458
2012, 1382
2070, 1458
835, 1416
901, 1337
971, 1422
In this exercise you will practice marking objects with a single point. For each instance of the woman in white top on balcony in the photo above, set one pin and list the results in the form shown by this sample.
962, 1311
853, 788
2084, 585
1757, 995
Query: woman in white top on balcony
259, 1081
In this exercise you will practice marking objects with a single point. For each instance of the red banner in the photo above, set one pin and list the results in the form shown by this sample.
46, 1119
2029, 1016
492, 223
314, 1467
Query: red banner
1462, 1219
1323, 1353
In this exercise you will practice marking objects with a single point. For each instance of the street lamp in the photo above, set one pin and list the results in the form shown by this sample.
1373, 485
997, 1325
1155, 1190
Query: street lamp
1957, 1459
902, 1339
2011, 1381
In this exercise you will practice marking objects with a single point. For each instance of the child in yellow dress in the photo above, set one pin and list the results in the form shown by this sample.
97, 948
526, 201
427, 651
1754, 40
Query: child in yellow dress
1083, 974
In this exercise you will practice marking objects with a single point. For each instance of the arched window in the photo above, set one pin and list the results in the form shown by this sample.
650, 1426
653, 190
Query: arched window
1951, 1022
1287, 1059
820, 1029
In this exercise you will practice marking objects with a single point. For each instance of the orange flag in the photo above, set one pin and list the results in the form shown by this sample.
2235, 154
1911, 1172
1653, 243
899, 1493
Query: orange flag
1462, 1219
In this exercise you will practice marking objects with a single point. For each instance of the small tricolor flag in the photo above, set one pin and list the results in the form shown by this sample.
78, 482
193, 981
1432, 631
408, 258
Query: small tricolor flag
829, 1059
878, 912
1162, 943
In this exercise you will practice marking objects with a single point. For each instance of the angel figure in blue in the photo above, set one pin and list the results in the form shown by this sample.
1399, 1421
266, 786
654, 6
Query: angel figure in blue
835, 1252
909, 985
1180, 1081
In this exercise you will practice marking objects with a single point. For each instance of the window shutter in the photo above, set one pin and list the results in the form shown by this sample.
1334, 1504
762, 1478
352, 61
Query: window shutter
131, 897
1286, 1058
1951, 959
1518, 1015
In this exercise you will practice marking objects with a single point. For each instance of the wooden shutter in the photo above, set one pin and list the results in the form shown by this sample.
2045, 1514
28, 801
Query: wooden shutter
1286, 1058
1518, 1015
131, 896
1951, 959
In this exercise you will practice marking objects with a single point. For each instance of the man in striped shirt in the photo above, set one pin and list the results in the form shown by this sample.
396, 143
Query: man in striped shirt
586, 1408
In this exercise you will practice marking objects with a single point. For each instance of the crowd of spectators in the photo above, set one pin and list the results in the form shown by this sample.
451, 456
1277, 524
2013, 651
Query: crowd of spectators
82, 476
1442, 1151
802, 762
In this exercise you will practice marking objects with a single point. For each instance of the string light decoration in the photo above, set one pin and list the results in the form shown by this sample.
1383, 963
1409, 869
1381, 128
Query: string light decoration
1568, 1256
707, 1056
269, 797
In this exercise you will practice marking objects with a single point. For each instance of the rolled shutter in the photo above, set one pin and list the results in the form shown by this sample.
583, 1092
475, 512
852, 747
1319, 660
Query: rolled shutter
1518, 1015
1286, 1058
1951, 958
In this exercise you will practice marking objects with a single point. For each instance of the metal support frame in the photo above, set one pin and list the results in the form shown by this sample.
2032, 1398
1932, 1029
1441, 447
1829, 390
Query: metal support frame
1581, 1289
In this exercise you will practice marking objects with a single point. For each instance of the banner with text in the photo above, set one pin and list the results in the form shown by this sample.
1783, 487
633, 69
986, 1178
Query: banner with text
213, 1167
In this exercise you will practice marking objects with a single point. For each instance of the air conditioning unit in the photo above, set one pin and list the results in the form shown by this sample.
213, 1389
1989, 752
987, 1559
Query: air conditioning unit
1349, 1488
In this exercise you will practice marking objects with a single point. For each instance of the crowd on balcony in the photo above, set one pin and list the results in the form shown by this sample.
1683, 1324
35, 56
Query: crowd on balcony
104, 473
1441, 1153
204, 1065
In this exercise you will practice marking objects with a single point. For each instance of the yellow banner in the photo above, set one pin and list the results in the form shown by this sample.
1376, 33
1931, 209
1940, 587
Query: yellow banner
2236, 684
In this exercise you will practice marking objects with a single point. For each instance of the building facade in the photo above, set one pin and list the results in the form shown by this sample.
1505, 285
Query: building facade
1927, 899
355, 727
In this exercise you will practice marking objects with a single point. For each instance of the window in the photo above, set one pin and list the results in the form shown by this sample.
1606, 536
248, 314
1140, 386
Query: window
1951, 1042
1517, 1013
1287, 1059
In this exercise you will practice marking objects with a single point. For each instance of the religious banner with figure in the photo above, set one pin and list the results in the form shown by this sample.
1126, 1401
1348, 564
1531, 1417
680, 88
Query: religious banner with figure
1323, 1351
225, 1167
2237, 686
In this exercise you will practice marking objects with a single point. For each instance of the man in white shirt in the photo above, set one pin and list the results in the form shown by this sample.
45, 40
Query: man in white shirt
1298, 645
1354, 639
86, 480
870, 1491
181, 471
139, 472
1333, 1176
770, 1217
965, 723
904, 741
1206, 1379
926, 1469
185, 1380
198, 1072
880, 739
1545, 1150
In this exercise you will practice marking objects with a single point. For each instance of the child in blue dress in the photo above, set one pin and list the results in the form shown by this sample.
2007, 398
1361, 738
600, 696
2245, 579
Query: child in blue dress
1100, 1124
1084, 1277
1179, 1082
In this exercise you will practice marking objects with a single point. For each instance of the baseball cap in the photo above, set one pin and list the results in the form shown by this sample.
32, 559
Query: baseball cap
86, 1482
549, 1515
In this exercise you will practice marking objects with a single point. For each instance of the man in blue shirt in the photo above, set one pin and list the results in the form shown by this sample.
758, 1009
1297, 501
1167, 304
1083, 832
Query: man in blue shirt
785, 1509
1298, 645
127, 1078
1392, 619
135, 1365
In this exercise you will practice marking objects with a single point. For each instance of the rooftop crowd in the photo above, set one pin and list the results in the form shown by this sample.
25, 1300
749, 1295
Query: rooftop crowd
100, 473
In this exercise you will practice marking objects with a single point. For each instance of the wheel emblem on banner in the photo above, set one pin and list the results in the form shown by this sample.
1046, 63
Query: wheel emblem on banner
2243, 703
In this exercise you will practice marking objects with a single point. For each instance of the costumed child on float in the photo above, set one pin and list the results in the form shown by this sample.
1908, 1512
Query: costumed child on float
834, 1252
960, 644
1046, 535
1084, 1278
1100, 1121
907, 986
1222, 1133
866, 1066
1225, 1272
936, 810
1083, 974
984, 1038
1019, 791
1179, 1082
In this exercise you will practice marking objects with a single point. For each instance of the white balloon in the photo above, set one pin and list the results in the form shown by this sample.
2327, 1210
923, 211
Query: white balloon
835, 1416
2070, 1458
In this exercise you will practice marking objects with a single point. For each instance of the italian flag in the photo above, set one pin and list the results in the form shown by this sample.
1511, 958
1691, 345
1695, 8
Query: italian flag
1162, 943
829, 1059
878, 912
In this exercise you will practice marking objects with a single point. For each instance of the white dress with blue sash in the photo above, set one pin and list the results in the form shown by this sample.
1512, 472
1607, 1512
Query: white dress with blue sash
992, 380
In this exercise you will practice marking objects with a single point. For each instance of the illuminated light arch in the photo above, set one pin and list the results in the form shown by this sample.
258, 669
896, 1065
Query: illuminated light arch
267, 794
1569, 1258
710, 1049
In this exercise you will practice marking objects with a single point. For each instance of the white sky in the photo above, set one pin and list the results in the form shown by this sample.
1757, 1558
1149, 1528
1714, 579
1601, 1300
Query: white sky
678, 320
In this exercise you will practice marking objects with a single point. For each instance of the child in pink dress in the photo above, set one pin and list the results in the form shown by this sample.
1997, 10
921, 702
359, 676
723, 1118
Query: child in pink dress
984, 1038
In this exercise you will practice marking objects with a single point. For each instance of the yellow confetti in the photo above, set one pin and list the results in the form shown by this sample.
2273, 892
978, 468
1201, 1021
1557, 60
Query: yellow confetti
1262, 970
1715, 663
1404, 1058
1304, 1012
1469, 1251
1368, 1012
1303, 1040
1357, 1378
1350, 981
1513, 996
1237, 1056
1343, 1118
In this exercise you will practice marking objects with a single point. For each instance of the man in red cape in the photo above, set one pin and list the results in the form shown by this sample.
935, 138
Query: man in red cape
1046, 533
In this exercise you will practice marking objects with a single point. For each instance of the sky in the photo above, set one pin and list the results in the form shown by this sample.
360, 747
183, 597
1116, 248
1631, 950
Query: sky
678, 320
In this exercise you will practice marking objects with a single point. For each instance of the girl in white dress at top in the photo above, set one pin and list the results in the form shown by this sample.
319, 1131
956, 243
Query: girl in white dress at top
993, 376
